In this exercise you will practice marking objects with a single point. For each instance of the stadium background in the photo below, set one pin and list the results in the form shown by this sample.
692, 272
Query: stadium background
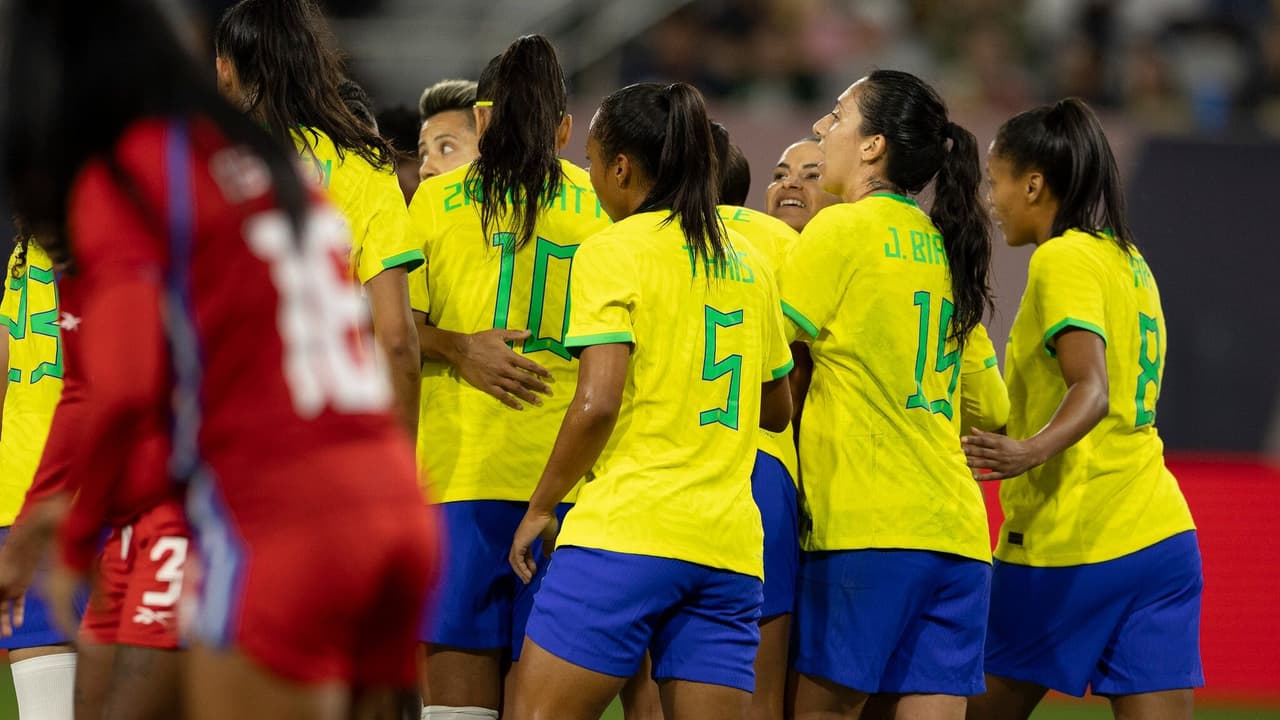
1189, 92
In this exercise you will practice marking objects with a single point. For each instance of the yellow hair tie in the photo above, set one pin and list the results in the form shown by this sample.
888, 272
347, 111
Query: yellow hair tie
484, 103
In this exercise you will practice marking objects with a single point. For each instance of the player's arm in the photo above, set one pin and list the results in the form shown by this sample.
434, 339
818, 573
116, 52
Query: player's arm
1083, 361
395, 333
602, 374
46, 501
775, 404
486, 361
984, 398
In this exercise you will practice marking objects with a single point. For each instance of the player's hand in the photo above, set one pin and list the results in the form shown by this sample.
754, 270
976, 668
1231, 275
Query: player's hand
997, 457
60, 590
25, 548
535, 525
485, 361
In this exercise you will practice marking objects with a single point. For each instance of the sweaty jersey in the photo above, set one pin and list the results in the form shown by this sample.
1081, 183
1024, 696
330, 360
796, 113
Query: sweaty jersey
373, 205
869, 287
772, 240
674, 480
252, 331
1109, 494
471, 445
30, 311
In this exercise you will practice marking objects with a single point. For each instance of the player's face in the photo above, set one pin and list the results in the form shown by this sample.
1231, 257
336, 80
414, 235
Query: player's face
796, 193
447, 141
1009, 203
842, 142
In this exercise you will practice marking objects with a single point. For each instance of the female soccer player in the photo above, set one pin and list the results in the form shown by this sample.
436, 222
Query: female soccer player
447, 138
663, 550
40, 656
207, 277
274, 60
500, 236
795, 195
894, 583
1097, 579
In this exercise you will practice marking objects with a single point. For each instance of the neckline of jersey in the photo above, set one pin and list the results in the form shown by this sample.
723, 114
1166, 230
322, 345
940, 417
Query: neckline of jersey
895, 196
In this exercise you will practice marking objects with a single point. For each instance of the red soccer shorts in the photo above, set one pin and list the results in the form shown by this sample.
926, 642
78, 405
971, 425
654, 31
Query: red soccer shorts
326, 585
140, 572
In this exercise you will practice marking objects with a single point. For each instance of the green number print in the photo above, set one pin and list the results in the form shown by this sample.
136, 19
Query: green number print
1149, 328
544, 252
945, 360
713, 370
40, 323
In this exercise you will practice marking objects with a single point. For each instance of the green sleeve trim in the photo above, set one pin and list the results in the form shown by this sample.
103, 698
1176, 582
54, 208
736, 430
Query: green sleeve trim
990, 363
782, 371
599, 339
1052, 332
799, 319
410, 259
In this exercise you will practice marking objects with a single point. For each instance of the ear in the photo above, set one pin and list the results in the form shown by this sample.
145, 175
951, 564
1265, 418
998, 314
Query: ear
564, 132
1034, 188
873, 148
622, 172
482, 115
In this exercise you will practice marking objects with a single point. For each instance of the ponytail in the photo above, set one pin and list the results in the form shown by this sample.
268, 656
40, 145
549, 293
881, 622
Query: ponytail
958, 213
519, 163
665, 131
1065, 142
913, 119
288, 63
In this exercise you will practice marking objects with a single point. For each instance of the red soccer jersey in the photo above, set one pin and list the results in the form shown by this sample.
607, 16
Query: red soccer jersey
195, 297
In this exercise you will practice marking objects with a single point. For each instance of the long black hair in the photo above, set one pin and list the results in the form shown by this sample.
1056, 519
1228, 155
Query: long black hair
292, 72
923, 145
735, 169
664, 130
518, 170
65, 104
1065, 142
21, 245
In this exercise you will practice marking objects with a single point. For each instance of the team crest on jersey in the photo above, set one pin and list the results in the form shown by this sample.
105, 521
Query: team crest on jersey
69, 321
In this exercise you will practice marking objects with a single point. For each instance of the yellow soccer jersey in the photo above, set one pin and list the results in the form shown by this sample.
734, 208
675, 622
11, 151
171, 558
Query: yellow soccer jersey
30, 310
984, 399
1109, 494
472, 446
868, 285
674, 480
773, 239
370, 200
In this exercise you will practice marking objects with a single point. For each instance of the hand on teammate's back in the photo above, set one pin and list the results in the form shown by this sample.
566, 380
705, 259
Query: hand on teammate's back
487, 363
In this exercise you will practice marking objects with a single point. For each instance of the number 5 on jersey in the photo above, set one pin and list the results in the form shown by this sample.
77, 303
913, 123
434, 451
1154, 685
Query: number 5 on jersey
713, 369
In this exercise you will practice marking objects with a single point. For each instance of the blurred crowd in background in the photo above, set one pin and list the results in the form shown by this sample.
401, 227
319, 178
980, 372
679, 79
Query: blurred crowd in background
1204, 66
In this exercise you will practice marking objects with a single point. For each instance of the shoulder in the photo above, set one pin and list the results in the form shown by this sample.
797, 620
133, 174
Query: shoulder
575, 175
1071, 252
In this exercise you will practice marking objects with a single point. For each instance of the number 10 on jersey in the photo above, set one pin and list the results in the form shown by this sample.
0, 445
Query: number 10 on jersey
543, 253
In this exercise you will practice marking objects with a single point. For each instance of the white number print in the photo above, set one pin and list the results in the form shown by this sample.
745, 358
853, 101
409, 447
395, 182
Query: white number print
323, 321
170, 571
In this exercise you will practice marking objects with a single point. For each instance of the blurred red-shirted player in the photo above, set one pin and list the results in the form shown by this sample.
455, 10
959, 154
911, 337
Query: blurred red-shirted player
208, 278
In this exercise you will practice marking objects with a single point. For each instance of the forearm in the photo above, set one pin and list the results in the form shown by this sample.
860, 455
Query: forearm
583, 436
405, 374
1083, 406
438, 345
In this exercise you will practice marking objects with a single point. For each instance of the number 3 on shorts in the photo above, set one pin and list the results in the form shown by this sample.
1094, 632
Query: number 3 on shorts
170, 571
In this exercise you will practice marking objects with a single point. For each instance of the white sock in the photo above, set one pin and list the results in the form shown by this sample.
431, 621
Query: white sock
45, 687
441, 712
